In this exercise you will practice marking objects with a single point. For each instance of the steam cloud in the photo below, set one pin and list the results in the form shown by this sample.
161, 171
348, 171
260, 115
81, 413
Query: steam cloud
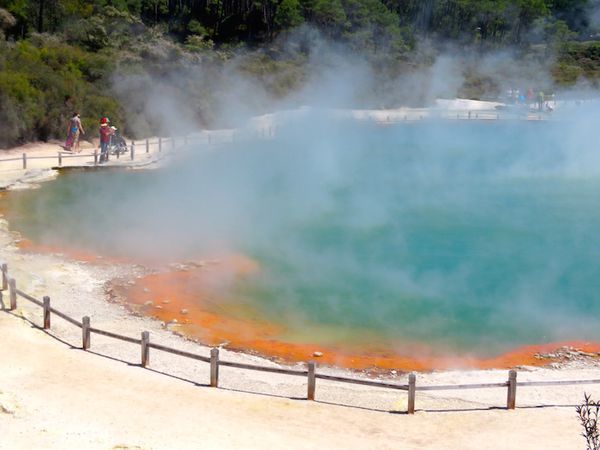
445, 232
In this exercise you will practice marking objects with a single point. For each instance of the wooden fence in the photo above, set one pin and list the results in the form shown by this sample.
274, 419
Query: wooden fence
215, 363
159, 145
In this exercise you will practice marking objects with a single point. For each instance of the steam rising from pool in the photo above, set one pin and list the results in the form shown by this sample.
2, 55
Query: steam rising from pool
471, 237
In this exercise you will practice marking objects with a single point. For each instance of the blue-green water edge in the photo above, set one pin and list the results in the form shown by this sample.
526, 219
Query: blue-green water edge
466, 237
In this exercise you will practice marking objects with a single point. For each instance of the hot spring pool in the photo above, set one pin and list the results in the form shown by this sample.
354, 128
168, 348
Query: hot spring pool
466, 237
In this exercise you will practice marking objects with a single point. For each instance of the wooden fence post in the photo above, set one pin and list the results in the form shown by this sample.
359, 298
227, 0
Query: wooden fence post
4, 276
13, 293
85, 332
46, 313
160, 144
59, 159
209, 138
145, 348
132, 150
214, 367
95, 156
24, 160
312, 380
511, 397
412, 390
147, 146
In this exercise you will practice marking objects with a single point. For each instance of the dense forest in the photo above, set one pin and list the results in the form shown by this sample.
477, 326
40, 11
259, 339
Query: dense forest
103, 57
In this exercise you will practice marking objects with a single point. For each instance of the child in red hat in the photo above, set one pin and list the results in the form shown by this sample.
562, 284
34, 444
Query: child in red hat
105, 133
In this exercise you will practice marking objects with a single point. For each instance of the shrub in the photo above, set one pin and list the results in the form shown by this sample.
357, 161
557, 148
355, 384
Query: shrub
43, 80
588, 416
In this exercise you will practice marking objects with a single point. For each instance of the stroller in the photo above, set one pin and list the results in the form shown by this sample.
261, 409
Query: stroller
117, 145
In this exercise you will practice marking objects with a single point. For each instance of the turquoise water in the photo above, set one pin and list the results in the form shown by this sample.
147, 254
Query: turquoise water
470, 237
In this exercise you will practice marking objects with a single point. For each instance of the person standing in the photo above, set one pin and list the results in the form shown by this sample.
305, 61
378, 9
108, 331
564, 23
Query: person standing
105, 134
530, 97
73, 133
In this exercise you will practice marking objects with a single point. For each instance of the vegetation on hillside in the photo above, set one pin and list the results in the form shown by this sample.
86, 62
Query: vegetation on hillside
103, 57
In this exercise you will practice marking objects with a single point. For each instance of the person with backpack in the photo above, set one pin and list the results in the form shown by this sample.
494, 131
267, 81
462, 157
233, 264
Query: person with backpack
105, 134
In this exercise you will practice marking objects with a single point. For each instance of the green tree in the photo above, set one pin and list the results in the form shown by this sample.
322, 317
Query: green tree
155, 9
330, 16
529, 11
575, 13
372, 26
289, 14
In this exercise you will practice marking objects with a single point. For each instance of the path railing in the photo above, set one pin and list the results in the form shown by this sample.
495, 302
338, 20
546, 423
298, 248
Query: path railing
420, 115
145, 146
215, 362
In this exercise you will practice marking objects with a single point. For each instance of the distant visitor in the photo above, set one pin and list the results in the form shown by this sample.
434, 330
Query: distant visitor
74, 131
105, 134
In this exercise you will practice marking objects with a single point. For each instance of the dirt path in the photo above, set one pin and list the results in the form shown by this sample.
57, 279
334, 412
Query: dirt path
54, 396
42, 157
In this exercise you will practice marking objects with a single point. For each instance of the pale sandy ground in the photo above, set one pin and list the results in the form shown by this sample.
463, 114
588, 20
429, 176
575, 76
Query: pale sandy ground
42, 157
54, 395
451, 109
43, 160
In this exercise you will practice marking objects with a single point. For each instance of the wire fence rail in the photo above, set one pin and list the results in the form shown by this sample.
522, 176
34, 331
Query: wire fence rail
9, 284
